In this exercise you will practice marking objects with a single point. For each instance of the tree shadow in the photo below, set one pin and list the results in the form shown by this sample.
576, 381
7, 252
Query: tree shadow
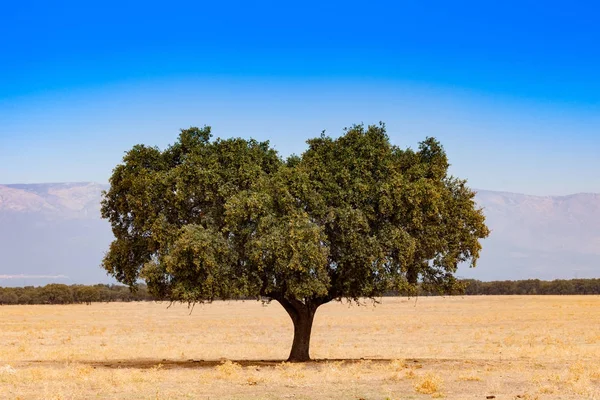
148, 363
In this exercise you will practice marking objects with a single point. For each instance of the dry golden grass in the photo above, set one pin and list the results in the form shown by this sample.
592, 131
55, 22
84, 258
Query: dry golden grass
457, 348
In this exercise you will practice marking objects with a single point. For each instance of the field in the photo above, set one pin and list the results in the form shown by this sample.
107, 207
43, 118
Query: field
511, 347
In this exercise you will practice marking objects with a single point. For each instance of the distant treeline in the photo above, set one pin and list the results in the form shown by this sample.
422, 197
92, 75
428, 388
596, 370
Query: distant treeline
533, 286
56, 293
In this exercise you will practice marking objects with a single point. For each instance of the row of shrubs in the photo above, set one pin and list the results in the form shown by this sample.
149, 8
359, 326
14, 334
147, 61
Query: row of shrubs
533, 286
56, 293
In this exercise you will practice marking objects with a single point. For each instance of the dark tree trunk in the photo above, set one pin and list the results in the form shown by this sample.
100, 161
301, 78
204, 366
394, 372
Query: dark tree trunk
302, 316
302, 329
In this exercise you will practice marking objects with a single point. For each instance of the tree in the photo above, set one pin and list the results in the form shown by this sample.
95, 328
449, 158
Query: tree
8, 296
351, 217
86, 294
56, 293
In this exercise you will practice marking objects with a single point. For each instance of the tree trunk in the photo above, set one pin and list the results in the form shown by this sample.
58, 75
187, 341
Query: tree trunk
302, 329
302, 316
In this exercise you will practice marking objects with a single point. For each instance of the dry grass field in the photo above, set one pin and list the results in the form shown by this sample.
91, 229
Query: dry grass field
509, 347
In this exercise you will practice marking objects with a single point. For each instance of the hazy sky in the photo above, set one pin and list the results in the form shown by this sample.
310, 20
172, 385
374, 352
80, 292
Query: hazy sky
511, 88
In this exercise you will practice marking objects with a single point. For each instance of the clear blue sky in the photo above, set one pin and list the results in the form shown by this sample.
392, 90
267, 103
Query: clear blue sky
511, 88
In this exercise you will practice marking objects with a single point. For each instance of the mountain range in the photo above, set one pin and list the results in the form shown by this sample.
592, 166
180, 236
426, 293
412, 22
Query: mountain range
53, 232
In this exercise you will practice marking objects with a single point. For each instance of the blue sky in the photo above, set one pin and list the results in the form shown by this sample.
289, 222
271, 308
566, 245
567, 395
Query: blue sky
512, 89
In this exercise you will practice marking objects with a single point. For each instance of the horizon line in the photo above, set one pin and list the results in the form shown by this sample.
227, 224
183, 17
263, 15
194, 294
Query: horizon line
476, 190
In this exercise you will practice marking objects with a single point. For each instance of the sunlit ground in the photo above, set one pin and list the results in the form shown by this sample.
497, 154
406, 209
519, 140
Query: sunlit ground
535, 347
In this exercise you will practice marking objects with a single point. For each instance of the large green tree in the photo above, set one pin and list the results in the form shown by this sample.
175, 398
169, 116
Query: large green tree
352, 217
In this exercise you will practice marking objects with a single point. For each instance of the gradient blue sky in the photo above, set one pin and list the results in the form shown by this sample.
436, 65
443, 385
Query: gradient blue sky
511, 88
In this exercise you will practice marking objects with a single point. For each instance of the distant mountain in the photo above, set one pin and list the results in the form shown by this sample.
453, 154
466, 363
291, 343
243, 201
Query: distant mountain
53, 232
545, 237
53, 200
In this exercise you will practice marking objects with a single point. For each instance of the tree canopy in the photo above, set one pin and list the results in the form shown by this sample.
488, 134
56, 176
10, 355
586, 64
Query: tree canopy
352, 217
